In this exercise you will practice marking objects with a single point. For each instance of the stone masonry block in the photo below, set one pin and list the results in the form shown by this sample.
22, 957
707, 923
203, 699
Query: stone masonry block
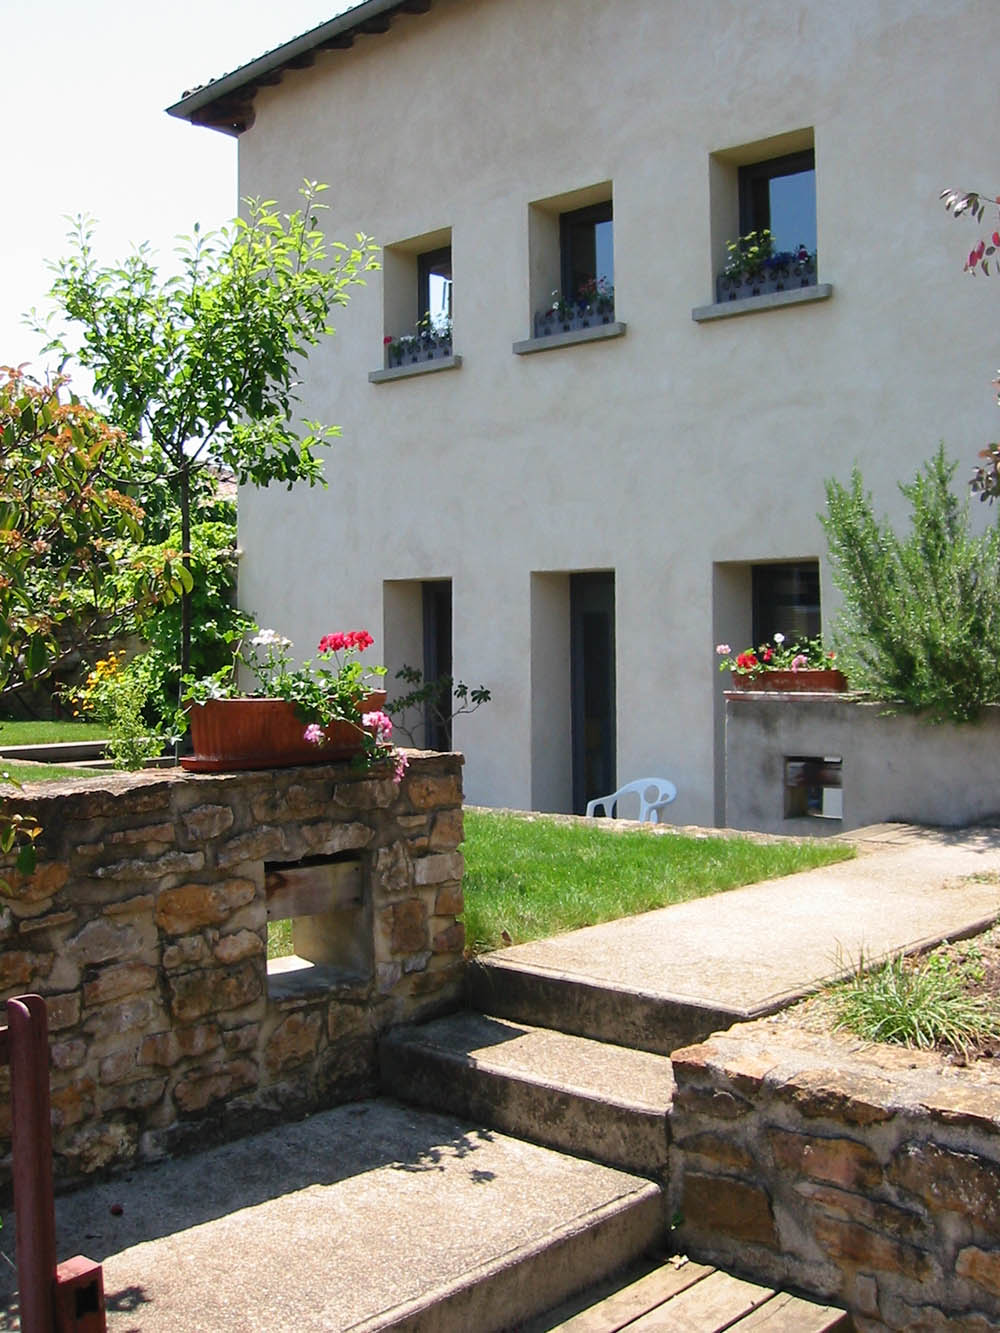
157, 867
293, 1041
838, 1161
205, 822
196, 1091
118, 980
409, 926
101, 942
166, 1048
212, 990
981, 1267
450, 900
849, 1243
955, 1181
254, 846
438, 868
447, 831
433, 793
734, 1210
192, 906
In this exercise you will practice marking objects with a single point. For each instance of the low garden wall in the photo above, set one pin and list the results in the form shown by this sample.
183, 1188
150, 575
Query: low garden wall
821, 763
144, 926
869, 1176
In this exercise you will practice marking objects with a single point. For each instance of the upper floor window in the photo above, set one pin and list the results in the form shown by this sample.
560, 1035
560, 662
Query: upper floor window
434, 284
418, 290
779, 196
586, 237
763, 217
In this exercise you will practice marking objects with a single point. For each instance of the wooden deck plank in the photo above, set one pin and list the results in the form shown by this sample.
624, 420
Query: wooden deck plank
791, 1314
622, 1307
715, 1303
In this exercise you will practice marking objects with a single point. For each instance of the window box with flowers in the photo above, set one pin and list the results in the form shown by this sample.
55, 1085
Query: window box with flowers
593, 305
780, 667
755, 268
317, 713
431, 341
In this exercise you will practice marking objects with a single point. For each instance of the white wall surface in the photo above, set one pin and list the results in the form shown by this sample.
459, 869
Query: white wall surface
662, 453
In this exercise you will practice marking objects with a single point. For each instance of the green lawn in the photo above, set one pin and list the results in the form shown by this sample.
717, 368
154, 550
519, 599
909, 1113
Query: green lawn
528, 878
525, 879
45, 733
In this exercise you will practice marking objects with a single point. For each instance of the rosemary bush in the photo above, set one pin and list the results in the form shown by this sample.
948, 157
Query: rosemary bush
920, 623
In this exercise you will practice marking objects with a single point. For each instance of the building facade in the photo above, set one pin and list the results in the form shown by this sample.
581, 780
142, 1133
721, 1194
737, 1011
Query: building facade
606, 459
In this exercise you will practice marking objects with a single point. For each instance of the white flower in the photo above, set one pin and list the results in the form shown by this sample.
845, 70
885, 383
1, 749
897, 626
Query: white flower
779, 638
269, 638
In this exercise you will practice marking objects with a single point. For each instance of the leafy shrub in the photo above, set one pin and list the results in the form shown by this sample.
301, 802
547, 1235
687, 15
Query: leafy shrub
920, 624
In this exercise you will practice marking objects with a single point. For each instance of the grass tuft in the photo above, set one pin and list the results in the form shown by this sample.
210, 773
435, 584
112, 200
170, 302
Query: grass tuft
921, 1002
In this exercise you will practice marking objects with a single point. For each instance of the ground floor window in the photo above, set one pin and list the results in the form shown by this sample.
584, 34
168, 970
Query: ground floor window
786, 600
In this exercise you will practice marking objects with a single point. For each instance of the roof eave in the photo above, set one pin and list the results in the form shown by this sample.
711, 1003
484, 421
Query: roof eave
226, 104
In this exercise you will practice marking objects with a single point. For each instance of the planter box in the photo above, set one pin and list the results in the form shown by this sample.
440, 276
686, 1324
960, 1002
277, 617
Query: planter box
783, 279
547, 324
424, 352
808, 681
230, 735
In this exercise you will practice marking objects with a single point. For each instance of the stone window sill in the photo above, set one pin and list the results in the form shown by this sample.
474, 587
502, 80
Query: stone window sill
596, 333
822, 291
417, 368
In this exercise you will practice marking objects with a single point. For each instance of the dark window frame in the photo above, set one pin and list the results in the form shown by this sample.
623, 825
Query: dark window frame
754, 186
427, 263
804, 580
578, 219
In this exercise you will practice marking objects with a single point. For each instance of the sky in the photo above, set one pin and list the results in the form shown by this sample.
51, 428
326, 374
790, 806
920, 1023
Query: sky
82, 96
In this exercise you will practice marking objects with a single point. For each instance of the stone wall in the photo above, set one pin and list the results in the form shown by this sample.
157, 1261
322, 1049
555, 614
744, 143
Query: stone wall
894, 768
866, 1175
144, 927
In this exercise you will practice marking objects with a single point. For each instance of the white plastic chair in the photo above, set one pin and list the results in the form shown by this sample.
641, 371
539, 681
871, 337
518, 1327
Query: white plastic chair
653, 794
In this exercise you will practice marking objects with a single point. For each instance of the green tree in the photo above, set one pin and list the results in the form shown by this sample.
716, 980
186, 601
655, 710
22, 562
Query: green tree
203, 366
920, 622
72, 567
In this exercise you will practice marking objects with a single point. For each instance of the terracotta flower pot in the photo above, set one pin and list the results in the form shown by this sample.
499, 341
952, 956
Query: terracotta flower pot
817, 680
232, 734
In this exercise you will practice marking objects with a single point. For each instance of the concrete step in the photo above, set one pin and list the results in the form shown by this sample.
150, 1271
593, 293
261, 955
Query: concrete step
366, 1217
605, 1102
602, 1010
683, 1297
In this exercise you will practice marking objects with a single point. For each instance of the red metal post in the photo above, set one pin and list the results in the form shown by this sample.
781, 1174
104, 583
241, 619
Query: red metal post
34, 1206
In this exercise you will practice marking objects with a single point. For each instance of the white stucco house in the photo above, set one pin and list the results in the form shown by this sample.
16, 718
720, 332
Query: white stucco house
576, 517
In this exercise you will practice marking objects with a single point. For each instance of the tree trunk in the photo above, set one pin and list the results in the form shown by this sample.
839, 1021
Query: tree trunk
185, 502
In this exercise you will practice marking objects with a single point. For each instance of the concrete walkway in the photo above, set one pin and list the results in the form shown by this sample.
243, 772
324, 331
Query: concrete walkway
756, 949
376, 1215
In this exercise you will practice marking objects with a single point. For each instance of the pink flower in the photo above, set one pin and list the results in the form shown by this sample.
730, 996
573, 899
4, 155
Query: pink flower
380, 723
400, 767
800, 661
314, 734
723, 649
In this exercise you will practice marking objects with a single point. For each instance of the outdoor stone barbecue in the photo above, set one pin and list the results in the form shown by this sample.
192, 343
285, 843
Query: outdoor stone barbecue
144, 927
